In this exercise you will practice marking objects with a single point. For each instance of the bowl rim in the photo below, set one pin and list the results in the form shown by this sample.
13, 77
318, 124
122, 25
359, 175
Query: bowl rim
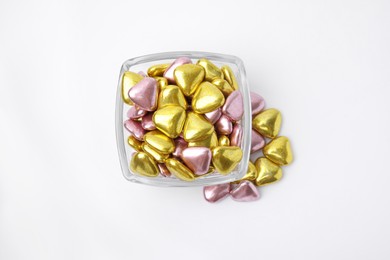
246, 121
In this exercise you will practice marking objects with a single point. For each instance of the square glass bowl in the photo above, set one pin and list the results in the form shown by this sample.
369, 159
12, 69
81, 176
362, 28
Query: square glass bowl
125, 151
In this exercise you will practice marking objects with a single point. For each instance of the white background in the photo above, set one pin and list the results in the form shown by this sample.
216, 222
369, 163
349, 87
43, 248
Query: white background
324, 64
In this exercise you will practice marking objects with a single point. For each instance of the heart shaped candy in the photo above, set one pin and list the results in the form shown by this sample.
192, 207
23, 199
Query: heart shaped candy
268, 122
170, 120
207, 98
188, 77
145, 94
234, 106
245, 191
226, 158
197, 159
135, 128
196, 127
142, 164
159, 142
257, 103
171, 95
267, 172
279, 151
215, 193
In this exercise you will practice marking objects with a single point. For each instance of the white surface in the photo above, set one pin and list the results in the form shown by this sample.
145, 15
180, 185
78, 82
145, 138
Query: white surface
324, 64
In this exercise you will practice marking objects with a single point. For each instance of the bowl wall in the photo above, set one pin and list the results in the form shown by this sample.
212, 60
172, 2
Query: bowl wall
125, 151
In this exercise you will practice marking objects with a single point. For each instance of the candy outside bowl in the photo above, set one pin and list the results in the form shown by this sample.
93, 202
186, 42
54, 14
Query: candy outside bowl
125, 151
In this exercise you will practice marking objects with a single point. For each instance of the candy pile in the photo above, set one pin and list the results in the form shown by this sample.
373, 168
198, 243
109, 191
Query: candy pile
267, 168
184, 122
184, 119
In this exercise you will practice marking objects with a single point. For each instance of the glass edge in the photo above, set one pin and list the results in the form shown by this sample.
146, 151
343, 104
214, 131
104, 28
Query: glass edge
127, 64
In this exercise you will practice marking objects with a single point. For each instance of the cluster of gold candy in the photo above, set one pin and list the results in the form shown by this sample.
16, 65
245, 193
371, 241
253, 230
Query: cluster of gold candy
176, 107
277, 152
266, 169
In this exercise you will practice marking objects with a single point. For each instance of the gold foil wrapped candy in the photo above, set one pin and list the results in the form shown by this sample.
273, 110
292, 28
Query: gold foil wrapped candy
196, 128
212, 71
267, 172
188, 77
229, 76
158, 70
171, 95
142, 164
133, 142
268, 122
207, 98
179, 170
226, 158
156, 155
159, 142
279, 151
170, 120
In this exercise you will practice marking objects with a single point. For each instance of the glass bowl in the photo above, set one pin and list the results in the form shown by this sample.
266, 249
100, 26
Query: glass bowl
125, 151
